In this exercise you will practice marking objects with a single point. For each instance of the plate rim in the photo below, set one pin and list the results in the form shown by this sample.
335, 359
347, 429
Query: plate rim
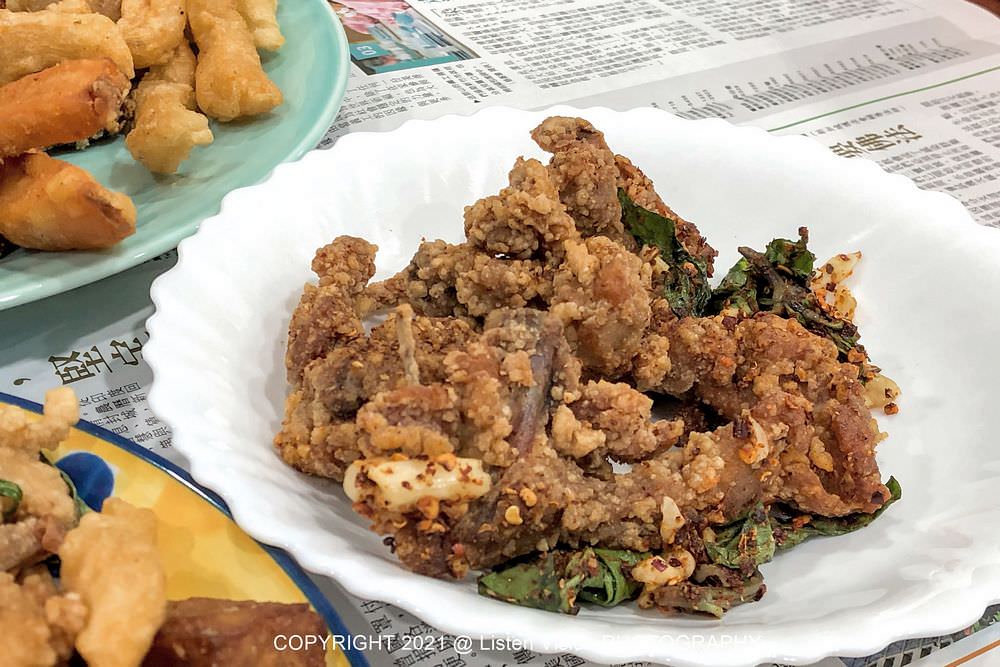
284, 560
818, 649
79, 276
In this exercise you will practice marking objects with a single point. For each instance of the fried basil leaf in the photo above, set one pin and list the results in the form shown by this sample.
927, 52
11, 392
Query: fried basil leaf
558, 580
777, 281
712, 589
610, 585
537, 584
686, 289
744, 544
10, 498
793, 528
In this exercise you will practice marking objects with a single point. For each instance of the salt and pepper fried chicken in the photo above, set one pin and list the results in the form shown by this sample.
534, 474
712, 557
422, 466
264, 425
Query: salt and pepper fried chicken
490, 415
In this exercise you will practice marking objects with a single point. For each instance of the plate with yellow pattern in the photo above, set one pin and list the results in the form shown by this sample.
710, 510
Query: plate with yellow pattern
204, 552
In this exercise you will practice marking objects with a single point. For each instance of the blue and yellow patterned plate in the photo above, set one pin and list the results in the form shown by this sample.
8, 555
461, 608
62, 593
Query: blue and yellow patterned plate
204, 552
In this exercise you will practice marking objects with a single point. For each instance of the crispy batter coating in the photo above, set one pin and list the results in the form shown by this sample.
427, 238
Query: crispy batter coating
205, 632
524, 220
33, 41
153, 29
261, 16
111, 561
788, 378
37, 626
166, 125
584, 170
326, 313
66, 103
48, 204
601, 293
335, 368
230, 82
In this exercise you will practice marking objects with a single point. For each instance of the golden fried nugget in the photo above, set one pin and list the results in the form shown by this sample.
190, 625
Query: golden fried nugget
47, 204
25, 636
19, 432
152, 29
66, 103
229, 82
166, 125
33, 41
261, 17
205, 632
111, 561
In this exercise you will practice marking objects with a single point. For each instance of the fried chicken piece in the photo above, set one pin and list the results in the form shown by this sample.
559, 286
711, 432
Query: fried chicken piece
20, 432
45, 515
69, 102
33, 41
640, 190
525, 220
611, 420
601, 294
524, 345
166, 125
37, 626
153, 29
335, 368
583, 168
111, 561
205, 632
326, 314
446, 280
784, 375
230, 82
48, 204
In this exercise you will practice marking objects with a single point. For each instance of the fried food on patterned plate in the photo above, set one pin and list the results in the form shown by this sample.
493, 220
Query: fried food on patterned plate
166, 125
33, 41
152, 29
229, 82
63, 104
47, 204
111, 561
261, 16
204, 632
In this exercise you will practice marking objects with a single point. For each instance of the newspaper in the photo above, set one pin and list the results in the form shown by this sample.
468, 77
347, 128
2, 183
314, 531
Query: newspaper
911, 84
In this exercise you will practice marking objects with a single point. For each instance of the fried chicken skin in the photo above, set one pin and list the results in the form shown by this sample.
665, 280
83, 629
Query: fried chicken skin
48, 204
166, 125
66, 103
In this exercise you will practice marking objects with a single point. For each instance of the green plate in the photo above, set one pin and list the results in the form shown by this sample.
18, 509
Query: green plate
311, 69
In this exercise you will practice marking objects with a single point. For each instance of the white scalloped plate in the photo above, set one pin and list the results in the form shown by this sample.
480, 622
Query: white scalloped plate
928, 566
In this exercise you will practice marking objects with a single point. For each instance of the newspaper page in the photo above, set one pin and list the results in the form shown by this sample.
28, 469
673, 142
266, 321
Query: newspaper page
911, 84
